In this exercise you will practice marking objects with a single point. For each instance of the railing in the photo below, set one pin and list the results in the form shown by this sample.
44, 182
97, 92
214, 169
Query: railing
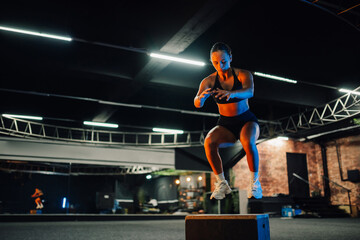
306, 181
348, 190
28, 129
344, 107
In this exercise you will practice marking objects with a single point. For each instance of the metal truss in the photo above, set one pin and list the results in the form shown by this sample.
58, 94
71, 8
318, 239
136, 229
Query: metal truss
139, 170
346, 10
28, 129
339, 109
344, 107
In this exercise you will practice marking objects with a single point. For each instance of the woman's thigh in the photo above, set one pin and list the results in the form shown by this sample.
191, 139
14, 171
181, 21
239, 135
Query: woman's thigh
221, 136
249, 133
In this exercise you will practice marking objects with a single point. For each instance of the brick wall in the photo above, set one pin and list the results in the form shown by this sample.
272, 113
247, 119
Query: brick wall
349, 149
273, 169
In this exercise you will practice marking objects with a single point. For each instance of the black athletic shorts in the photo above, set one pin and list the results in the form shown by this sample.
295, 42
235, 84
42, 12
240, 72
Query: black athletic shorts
236, 123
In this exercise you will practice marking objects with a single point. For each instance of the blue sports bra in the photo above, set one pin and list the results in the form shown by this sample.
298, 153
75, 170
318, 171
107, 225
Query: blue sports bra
237, 85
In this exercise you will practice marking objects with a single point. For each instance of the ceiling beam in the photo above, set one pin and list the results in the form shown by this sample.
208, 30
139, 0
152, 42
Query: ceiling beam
194, 28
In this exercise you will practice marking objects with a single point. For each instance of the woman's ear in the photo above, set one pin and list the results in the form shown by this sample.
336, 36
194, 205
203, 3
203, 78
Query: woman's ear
230, 58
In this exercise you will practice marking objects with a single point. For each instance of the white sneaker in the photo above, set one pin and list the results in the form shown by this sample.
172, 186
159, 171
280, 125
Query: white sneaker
221, 188
255, 190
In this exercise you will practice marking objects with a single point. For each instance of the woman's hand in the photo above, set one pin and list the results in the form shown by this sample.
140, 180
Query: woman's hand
222, 94
205, 94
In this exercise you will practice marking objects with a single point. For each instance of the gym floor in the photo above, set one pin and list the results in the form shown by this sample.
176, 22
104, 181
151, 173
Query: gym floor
289, 229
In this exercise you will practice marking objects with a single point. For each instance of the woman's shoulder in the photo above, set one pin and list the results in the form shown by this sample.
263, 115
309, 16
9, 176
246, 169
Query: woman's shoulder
239, 71
210, 80
242, 74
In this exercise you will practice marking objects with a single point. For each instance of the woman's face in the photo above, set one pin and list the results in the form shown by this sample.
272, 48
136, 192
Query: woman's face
221, 60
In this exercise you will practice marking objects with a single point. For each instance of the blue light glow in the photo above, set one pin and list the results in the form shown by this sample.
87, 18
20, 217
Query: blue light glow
64, 202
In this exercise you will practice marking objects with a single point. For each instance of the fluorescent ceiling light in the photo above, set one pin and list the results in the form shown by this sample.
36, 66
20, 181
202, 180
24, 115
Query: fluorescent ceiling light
176, 59
64, 202
165, 130
275, 77
98, 124
35, 33
22, 116
283, 138
349, 91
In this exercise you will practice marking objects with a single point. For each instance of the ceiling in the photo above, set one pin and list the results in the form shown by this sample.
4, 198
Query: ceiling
106, 59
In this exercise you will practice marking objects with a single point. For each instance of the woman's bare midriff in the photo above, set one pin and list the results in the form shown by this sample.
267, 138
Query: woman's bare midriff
233, 109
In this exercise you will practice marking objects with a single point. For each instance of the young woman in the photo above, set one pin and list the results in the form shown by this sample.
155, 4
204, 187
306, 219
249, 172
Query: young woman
231, 88
38, 195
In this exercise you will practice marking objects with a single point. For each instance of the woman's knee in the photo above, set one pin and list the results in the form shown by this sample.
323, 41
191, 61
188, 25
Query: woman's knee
210, 143
250, 132
248, 143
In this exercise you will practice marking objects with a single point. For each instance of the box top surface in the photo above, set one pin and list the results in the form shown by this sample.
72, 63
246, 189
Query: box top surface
226, 216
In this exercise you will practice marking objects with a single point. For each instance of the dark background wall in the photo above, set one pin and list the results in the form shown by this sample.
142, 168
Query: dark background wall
16, 189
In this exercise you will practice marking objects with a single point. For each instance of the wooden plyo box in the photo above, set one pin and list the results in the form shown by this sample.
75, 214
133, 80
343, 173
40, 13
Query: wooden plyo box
33, 211
227, 227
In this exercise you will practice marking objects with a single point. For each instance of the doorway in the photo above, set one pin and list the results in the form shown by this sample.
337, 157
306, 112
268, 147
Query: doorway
296, 163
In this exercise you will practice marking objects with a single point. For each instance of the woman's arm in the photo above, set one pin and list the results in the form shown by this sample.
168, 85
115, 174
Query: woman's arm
203, 93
